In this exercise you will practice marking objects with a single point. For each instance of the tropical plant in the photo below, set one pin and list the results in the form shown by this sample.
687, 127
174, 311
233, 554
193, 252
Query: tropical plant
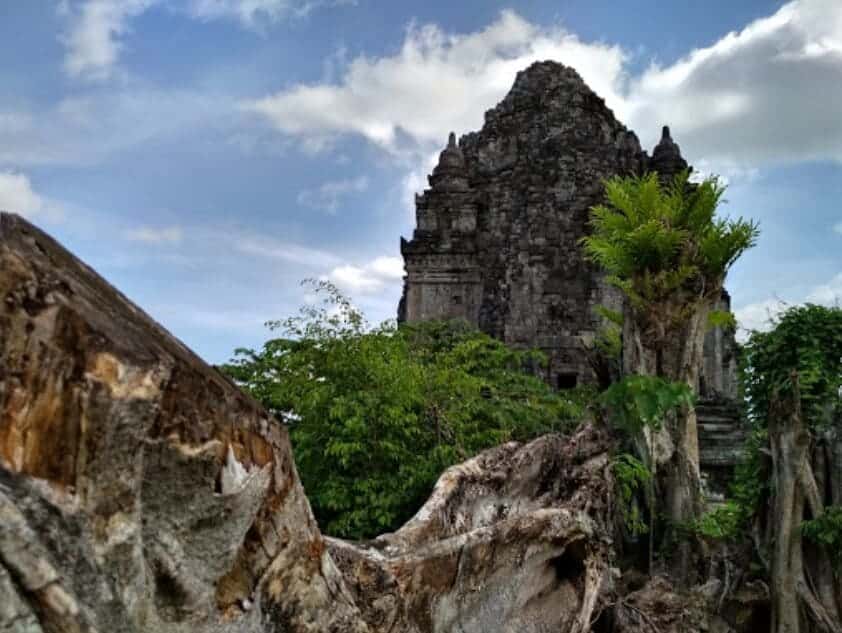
639, 405
663, 245
633, 479
826, 530
807, 339
377, 413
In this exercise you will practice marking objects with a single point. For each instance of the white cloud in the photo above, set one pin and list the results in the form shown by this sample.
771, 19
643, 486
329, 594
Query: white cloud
18, 196
436, 83
92, 41
765, 94
761, 315
328, 196
93, 38
371, 278
837, 228
758, 316
152, 235
251, 12
285, 251
827, 294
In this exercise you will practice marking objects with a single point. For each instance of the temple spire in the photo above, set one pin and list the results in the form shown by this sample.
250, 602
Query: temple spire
666, 157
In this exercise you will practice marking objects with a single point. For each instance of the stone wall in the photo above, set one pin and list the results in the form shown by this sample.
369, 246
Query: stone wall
497, 236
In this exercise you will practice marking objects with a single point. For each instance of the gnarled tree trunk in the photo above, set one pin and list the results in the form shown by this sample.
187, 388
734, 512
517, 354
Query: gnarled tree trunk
675, 448
802, 599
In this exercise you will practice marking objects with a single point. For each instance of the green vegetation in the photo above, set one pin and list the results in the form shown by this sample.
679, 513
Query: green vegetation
665, 247
827, 530
639, 402
376, 414
633, 479
609, 341
638, 406
724, 522
807, 339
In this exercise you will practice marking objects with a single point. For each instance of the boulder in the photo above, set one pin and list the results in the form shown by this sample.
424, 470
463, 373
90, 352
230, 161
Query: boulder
516, 539
140, 490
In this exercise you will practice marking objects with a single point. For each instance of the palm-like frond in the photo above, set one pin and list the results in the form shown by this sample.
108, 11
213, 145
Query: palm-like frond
658, 242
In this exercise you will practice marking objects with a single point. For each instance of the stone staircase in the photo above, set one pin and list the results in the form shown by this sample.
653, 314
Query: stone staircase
722, 438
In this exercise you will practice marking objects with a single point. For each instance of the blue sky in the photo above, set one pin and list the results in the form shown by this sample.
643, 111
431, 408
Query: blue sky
207, 155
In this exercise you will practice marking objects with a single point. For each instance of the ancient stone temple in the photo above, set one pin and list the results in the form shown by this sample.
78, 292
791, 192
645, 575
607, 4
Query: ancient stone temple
497, 236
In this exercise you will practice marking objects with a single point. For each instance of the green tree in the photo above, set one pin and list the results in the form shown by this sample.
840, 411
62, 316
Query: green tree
792, 376
639, 405
807, 339
665, 248
376, 414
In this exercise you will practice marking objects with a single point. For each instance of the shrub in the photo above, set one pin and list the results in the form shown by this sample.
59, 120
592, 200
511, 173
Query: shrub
376, 414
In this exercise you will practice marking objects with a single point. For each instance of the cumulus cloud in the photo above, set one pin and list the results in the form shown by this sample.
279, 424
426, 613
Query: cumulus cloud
827, 294
765, 94
436, 83
758, 316
251, 12
152, 235
761, 315
328, 196
18, 196
371, 278
93, 39
285, 251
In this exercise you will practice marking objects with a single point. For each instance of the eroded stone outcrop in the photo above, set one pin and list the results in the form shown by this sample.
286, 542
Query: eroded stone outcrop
139, 489
516, 539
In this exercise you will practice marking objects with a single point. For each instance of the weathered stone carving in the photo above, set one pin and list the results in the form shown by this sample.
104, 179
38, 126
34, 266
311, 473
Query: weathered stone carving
497, 236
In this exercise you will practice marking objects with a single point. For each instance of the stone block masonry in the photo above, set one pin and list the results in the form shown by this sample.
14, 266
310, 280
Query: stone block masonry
497, 235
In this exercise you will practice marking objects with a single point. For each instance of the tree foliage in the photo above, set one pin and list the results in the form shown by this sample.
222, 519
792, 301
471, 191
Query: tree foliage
826, 530
639, 405
376, 414
633, 478
807, 339
638, 402
664, 246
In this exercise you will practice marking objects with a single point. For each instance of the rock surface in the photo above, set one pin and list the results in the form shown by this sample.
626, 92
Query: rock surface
517, 539
140, 490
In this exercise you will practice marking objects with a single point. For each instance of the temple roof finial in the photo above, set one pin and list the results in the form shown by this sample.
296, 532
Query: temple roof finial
666, 157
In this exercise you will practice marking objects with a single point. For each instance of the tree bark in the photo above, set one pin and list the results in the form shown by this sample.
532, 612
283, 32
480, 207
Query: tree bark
789, 443
797, 604
675, 448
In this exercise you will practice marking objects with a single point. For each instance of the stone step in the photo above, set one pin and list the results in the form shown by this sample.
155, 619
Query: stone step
722, 430
717, 427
